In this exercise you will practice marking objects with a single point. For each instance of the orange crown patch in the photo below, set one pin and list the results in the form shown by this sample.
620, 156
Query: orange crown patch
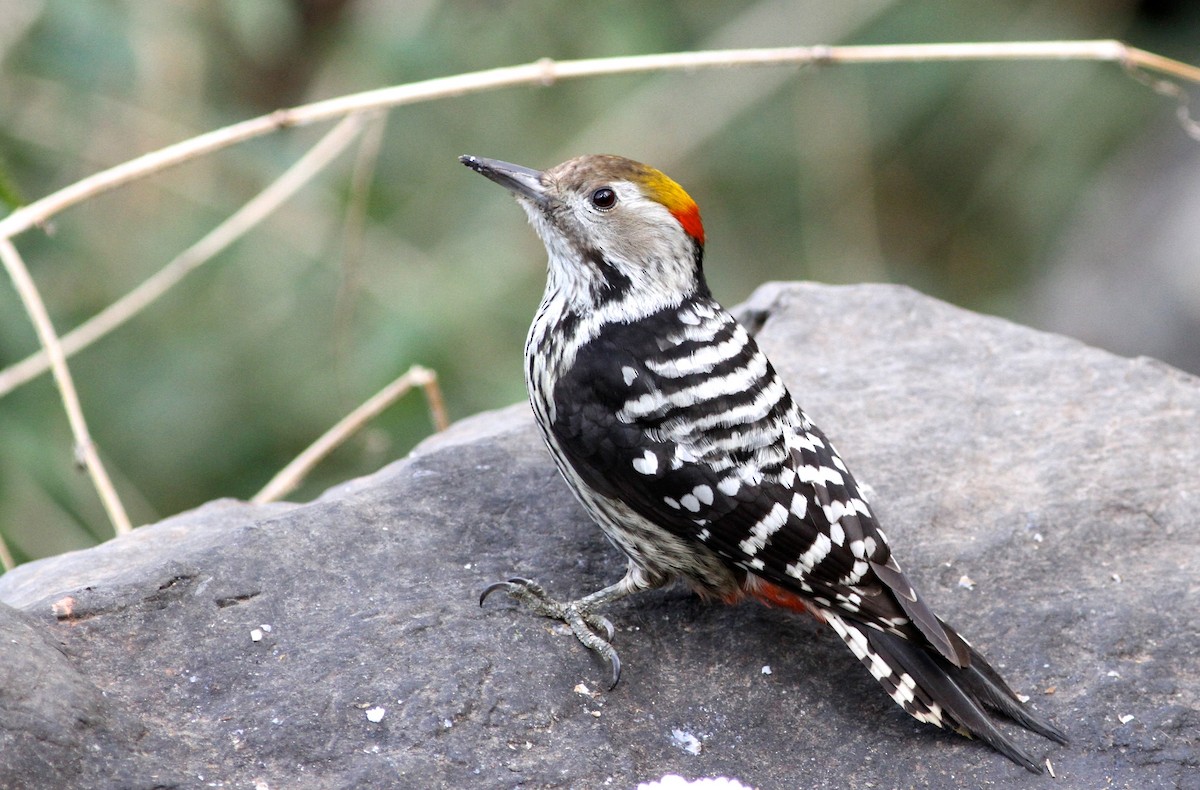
676, 200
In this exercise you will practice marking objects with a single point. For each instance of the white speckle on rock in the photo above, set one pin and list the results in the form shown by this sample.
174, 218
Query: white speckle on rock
766, 670
966, 582
686, 741
375, 715
256, 634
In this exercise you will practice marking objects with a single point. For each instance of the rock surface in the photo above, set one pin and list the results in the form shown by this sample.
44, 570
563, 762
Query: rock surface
1042, 494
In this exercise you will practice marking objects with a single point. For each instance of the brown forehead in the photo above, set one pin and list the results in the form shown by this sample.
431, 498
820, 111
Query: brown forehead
594, 168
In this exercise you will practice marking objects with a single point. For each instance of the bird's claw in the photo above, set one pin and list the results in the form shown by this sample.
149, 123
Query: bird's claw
586, 625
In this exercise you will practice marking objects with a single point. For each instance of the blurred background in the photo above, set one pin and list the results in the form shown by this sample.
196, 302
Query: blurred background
1065, 196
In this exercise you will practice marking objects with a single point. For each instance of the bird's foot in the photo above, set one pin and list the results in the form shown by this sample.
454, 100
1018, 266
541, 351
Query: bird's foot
588, 626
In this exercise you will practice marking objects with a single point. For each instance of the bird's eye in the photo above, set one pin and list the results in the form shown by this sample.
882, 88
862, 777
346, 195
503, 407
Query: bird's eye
604, 198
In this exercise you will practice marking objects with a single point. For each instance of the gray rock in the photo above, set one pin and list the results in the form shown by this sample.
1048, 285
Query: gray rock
1040, 492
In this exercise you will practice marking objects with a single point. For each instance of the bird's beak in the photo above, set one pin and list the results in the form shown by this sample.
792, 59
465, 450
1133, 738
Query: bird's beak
521, 181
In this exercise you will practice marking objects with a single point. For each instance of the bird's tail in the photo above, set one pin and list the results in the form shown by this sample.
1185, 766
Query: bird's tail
933, 690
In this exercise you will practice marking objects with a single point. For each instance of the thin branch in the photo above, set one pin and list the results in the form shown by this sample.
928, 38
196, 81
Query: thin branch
433, 398
6, 557
212, 244
294, 473
85, 449
1172, 90
547, 72
543, 72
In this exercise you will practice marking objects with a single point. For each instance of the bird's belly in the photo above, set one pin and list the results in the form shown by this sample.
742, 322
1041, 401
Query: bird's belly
657, 551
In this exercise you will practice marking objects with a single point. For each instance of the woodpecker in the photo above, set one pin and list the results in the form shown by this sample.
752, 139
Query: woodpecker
682, 442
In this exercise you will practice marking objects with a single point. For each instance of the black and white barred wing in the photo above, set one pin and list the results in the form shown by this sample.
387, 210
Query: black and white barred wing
703, 439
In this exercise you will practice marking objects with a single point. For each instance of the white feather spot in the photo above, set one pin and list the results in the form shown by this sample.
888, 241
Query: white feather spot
857, 572
834, 511
729, 486
802, 441
683, 454
702, 360
822, 475
690, 502
629, 374
766, 526
856, 640
647, 464
642, 405
671, 502
703, 493
836, 534
799, 505
818, 551
933, 716
879, 669
904, 690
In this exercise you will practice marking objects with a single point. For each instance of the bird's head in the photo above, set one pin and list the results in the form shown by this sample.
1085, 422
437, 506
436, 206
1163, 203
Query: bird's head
614, 229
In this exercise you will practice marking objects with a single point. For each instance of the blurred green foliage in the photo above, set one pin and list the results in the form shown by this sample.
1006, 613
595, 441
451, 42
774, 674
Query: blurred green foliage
955, 178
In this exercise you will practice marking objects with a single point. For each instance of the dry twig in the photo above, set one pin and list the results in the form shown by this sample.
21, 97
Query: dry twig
6, 557
547, 72
212, 244
85, 449
543, 72
294, 473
